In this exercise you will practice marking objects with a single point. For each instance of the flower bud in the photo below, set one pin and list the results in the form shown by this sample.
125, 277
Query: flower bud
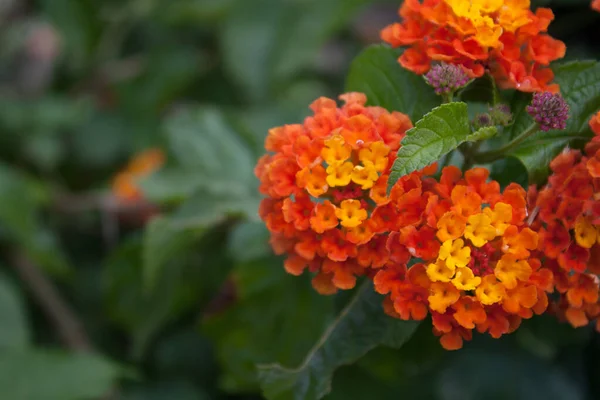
550, 111
483, 120
501, 114
446, 78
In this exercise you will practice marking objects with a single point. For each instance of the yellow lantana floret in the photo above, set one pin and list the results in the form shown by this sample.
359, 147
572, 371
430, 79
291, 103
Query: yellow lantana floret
488, 33
365, 176
509, 270
586, 233
480, 230
339, 174
451, 226
487, 6
490, 291
465, 279
500, 216
441, 296
440, 271
350, 213
514, 14
455, 253
336, 151
376, 154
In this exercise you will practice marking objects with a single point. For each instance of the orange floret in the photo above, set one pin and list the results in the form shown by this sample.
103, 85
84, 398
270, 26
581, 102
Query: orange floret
124, 186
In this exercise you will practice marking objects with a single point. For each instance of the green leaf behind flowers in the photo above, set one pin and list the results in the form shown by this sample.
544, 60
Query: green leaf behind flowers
361, 326
376, 73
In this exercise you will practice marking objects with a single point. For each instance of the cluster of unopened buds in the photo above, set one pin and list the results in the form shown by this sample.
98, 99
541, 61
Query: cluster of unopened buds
447, 244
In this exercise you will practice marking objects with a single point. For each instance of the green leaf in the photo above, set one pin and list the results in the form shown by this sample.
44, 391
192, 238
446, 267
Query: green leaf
215, 177
176, 184
266, 297
169, 390
202, 141
481, 90
185, 354
580, 86
185, 283
76, 23
265, 42
162, 240
203, 210
194, 12
14, 334
171, 184
360, 327
437, 133
166, 236
167, 73
55, 375
376, 73
483, 373
253, 237
21, 200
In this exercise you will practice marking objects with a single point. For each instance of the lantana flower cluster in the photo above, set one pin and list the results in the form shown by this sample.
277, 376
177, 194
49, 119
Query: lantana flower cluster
325, 184
456, 247
476, 266
503, 37
569, 222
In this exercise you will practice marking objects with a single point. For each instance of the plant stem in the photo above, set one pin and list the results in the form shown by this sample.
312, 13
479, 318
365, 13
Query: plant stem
448, 98
493, 155
67, 324
468, 155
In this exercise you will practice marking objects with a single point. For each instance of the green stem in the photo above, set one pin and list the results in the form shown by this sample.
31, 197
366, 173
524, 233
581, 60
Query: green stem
493, 155
448, 98
468, 155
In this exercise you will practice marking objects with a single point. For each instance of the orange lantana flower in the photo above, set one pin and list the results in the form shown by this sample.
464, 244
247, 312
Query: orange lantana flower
124, 185
504, 37
481, 267
569, 219
325, 182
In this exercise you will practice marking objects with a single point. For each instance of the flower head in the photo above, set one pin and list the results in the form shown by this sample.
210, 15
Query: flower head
446, 78
550, 111
481, 265
505, 38
569, 220
482, 120
325, 182
501, 114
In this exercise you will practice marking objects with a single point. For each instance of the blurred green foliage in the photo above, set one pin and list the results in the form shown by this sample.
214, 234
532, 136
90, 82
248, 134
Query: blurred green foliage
99, 301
